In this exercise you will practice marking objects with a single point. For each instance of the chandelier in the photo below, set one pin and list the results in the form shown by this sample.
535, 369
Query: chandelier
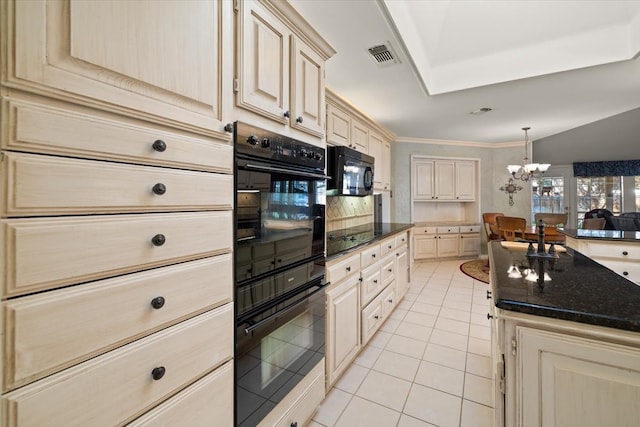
527, 170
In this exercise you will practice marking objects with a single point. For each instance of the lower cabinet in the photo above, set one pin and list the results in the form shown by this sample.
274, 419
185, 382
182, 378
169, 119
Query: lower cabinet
622, 258
446, 241
556, 373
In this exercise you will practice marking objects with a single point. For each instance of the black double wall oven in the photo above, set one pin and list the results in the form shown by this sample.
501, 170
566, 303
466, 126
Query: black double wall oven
279, 267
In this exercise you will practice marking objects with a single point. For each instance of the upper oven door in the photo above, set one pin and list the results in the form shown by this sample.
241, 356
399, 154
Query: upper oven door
280, 218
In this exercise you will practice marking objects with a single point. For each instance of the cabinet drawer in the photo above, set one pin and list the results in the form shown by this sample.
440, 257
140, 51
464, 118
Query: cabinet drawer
401, 240
371, 284
387, 246
425, 230
387, 269
614, 250
40, 327
369, 256
470, 229
45, 253
388, 300
338, 270
628, 270
195, 407
48, 185
305, 406
453, 229
371, 320
121, 382
82, 132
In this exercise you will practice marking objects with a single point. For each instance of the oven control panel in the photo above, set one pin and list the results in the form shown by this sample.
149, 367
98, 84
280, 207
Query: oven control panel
251, 141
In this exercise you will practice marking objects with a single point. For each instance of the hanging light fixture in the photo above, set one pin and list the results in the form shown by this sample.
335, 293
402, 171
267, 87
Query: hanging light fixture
527, 170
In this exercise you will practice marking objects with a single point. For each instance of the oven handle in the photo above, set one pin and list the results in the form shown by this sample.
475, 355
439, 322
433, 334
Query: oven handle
289, 171
285, 310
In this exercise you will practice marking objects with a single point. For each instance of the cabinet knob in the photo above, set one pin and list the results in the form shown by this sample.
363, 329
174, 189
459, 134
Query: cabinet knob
389, 246
157, 303
489, 316
625, 273
158, 240
159, 145
158, 373
390, 270
299, 119
159, 189
228, 127
625, 253
348, 268
462, 237
376, 317
375, 280
294, 424
373, 255
287, 114
488, 294
391, 301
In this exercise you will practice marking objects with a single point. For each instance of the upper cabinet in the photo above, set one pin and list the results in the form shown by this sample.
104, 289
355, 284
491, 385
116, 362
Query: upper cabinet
178, 72
437, 180
280, 66
348, 126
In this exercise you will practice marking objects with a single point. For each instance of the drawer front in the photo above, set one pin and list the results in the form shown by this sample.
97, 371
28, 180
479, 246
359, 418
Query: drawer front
195, 407
619, 251
453, 229
40, 327
83, 132
470, 228
388, 300
306, 405
121, 382
371, 319
425, 230
371, 285
45, 253
48, 185
369, 256
628, 270
387, 246
342, 268
387, 270
402, 240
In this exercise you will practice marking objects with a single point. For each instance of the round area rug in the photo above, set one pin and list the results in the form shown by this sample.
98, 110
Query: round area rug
477, 269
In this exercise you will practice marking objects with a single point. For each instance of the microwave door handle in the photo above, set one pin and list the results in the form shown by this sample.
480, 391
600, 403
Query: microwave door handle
289, 171
285, 310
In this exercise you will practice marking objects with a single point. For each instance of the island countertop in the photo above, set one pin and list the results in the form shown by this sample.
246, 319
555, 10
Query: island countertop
612, 235
580, 290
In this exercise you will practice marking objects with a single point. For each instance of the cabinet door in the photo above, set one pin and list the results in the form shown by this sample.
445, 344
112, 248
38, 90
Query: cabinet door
444, 180
386, 166
359, 137
465, 181
343, 334
402, 271
178, 69
338, 126
469, 244
307, 86
424, 246
448, 245
263, 62
422, 180
564, 380
375, 150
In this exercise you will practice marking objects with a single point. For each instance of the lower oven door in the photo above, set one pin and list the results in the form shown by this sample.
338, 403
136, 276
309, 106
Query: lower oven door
275, 350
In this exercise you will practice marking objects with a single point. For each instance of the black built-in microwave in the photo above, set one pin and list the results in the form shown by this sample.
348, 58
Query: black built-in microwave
351, 172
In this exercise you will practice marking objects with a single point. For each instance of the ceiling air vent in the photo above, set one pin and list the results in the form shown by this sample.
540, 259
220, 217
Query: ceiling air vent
383, 54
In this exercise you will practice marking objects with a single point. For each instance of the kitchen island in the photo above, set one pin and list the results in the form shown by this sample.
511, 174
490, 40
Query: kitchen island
567, 354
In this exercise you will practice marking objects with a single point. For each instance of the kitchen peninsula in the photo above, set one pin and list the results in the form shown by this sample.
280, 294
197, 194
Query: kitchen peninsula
566, 355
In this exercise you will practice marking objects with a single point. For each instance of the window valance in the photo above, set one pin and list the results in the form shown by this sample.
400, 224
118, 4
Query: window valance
610, 168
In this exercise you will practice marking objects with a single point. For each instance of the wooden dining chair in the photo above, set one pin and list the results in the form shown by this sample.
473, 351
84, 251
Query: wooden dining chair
593, 223
511, 226
491, 225
551, 219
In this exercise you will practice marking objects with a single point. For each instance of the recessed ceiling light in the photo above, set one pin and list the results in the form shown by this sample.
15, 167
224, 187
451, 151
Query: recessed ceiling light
480, 111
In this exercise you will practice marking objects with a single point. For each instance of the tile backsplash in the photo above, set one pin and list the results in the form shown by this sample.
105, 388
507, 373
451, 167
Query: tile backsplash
348, 211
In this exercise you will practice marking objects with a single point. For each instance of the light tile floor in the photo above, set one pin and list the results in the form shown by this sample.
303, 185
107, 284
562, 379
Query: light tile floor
428, 365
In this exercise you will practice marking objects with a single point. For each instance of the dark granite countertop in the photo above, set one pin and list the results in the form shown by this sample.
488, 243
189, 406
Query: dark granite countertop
614, 235
580, 290
346, 240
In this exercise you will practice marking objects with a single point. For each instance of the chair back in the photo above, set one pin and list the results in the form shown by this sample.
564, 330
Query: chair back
508, 226
602, 213
491, 225
551, 219
624, 223
593, 223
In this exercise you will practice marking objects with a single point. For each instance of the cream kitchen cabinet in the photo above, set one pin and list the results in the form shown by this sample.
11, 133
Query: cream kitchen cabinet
359, 136
105, 54
280, 68
446, 241
438, 180
557, 373
381, 151
338, 126
469, 244
621, 257
425, 242
343, 316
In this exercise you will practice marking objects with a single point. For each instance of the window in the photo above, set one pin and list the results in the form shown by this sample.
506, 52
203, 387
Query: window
547, 195
601, 192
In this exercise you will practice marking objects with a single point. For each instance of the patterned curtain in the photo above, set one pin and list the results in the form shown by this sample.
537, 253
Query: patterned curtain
612, 168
